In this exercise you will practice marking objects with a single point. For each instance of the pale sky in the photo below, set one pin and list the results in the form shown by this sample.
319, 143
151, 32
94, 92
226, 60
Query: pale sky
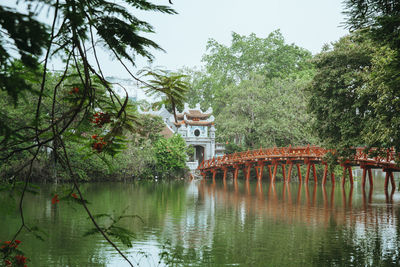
307, 23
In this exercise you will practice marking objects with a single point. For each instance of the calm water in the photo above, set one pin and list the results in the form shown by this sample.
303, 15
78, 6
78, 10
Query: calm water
216, 224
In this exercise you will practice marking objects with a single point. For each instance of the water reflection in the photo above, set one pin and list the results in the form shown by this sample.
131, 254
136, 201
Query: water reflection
310, 204
218, 223
364, 224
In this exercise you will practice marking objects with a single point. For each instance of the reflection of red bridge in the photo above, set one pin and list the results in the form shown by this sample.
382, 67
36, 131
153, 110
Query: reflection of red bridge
310, 155
300, 203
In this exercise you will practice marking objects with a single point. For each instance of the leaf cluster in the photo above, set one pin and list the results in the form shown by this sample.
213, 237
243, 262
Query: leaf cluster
122, 234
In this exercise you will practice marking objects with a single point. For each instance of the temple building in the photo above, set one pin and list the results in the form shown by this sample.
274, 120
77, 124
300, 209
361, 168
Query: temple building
198, 130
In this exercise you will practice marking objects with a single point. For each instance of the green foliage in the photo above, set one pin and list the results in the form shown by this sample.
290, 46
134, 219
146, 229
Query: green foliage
118, 29
381, 19
270, 57
380, 22
138, 159
28, 37
355, 95
257, 114
77, 103
171, 85
111, 228
170, 155
231, 148
382, 90
256, 89
339, 109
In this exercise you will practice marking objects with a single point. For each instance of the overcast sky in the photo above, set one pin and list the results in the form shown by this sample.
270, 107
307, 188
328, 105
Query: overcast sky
307, 23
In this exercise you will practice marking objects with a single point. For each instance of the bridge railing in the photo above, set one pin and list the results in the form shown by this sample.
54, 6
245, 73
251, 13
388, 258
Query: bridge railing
388, 157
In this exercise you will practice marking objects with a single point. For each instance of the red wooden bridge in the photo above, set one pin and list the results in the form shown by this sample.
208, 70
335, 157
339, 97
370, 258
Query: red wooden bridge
273, 158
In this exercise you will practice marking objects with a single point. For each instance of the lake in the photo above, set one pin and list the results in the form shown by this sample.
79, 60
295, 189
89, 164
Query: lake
206, 223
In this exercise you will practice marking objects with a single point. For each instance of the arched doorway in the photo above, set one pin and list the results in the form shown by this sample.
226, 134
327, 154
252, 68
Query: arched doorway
198, 154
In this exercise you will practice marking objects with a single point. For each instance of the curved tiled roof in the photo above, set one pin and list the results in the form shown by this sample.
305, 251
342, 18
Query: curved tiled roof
193, 113
195, 123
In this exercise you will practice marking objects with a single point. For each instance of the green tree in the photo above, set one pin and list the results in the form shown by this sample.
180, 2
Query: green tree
336, 102
380, 20
170, 155
171, 85
354, 95
257, 114
270, 57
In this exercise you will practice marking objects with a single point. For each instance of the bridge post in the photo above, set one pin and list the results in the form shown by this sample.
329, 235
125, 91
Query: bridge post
344, 175
386, 180
308, 172
392, 181
247, 170
225, 169
270, 173
389, 175
236, 172
370, 178
333, 178
275, 170
364, 175
350, 175
289, 171
214, 172
314, 173
325, 174
299, 172
259, 170
284, 172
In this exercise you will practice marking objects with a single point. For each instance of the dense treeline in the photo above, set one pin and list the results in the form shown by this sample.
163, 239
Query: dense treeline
356, 89
146, 153
256, 89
